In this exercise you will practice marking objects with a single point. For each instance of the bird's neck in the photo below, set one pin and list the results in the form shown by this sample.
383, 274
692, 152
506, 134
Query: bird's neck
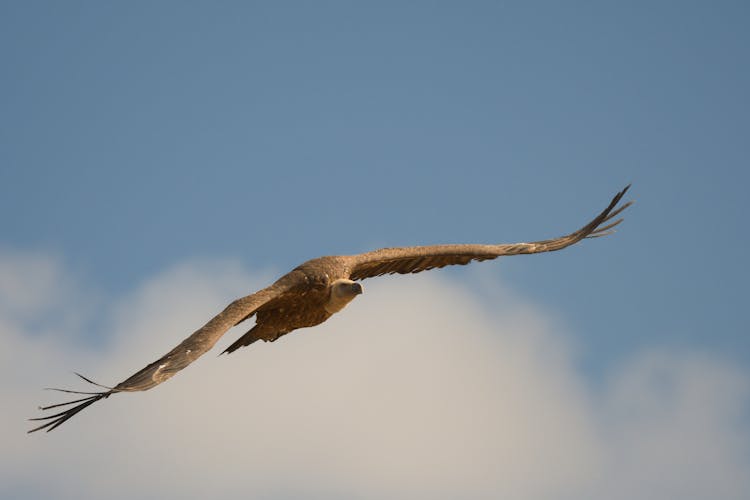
337, 302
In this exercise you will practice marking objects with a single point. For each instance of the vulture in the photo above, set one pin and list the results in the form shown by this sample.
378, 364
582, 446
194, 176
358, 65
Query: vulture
310, 294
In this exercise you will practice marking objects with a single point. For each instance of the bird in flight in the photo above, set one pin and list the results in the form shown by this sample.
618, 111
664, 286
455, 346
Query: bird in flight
310, 294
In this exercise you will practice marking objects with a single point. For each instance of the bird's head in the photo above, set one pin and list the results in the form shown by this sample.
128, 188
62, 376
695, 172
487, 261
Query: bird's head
343, 291
346, 288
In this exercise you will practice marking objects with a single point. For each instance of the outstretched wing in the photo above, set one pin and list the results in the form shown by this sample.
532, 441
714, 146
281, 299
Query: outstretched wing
406, 260
178, 358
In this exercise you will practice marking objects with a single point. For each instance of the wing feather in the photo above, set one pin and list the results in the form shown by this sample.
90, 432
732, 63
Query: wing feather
190, 349
406, 260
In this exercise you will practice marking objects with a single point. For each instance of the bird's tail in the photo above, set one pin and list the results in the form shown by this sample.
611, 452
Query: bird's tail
60, 418
247, 339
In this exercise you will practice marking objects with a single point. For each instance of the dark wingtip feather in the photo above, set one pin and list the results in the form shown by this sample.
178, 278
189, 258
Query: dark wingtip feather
94, 383
596, 229
60, 418
604, 229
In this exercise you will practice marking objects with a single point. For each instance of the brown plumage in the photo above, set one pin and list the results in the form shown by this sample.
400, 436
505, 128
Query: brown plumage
312, 293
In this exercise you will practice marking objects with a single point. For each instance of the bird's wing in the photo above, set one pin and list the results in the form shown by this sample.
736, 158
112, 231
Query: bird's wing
178, 358
406, 260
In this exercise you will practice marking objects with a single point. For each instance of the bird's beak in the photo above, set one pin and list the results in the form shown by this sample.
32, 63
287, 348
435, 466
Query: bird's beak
357, 288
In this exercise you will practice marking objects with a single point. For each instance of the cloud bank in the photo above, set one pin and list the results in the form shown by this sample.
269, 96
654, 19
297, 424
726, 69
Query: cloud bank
416, 390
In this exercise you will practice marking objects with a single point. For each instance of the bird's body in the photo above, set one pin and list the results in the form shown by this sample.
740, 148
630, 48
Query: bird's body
308, 301
300, 308
314, 291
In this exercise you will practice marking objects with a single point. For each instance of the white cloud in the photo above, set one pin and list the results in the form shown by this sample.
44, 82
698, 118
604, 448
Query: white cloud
416, 390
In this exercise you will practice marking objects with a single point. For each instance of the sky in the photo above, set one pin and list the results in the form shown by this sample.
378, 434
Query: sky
159, 159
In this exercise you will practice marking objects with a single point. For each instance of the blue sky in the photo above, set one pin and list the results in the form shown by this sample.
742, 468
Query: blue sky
137, 136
